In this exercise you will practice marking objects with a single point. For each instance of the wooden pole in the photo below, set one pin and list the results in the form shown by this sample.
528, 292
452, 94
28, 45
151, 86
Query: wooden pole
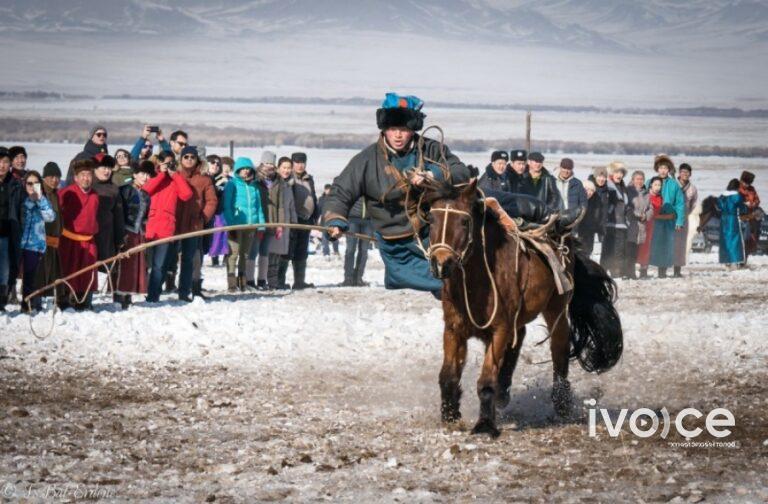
232, 149
528, 131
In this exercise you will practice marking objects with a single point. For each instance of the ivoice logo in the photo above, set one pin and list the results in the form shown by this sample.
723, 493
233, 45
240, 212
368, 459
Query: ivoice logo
645, 422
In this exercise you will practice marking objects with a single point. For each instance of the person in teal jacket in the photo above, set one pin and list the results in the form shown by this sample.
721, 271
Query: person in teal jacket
731, 206
663, 241
242, 205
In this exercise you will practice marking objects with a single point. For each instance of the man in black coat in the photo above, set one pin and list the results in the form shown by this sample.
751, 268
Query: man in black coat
540, 183
496, 176
96, 144
11, 200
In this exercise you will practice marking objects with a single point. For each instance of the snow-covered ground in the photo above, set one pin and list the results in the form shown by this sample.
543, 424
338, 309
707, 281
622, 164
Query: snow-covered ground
331, 394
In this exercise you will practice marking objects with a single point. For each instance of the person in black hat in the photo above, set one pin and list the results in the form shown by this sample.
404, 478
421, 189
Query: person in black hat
308, 212
496, 176
96, 144
538, 182
11, 208
518, 162
51, 267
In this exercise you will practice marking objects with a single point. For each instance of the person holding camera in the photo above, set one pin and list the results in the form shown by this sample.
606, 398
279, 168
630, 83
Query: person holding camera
166, 190
142, 149
37, 212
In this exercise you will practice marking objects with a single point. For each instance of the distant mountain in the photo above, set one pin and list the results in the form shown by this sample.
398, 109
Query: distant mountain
592, 25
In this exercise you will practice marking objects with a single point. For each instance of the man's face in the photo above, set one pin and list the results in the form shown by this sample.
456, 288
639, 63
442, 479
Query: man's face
19, 162
189, 161
565, 173
534, 167
499, 166
84, 179
51, 181
638, 181
178, 144
617, 176
285, 169
5, 166
685, 176
398, 137
518, 166
99, 137
299, 168
102, 173
663, 171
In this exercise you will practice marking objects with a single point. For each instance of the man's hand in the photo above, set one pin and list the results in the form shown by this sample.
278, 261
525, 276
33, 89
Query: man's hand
145, 132
418, 178
163, 167
334, 232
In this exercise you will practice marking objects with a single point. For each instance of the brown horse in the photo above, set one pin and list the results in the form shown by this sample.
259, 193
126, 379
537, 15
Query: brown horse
492, 286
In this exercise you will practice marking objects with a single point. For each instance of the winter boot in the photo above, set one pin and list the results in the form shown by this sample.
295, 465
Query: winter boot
250, 285
197, 289
677, 272
262, 285
643, 274
281, 272
299, 275
170, 282
231, 283
3, 297
662, 272
13, 298
242, 283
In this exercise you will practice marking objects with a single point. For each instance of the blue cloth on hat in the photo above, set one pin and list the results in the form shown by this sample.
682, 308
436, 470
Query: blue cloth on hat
393, 100
243, 162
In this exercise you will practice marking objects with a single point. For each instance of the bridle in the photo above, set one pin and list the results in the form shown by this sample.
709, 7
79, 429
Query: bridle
443, 244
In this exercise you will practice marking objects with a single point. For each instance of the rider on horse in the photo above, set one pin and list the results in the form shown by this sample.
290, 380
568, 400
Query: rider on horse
384, 172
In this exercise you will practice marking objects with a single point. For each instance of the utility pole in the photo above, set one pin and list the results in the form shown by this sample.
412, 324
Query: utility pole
232, 149
528, 131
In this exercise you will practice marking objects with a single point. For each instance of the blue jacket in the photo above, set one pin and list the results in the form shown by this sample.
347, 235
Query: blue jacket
242, 202
136, 150
572, 193
36, 214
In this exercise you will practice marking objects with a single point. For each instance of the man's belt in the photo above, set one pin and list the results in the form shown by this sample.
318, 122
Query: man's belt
52, 241
75, 237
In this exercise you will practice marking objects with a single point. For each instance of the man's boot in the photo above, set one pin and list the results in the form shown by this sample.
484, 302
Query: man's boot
3, 297
662, 272
241, 283
677, 272
170, 282
643, 273
231, 283
261, 285
197, 289
282, 270
299, 275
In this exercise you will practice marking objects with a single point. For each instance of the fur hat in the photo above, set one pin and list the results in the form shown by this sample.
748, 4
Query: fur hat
400, 111
82, 165
599, 170
145, 166
499, 154
615, 166
747, 177
16, 150
51, 169
104, 160
663, 159
299, 157
518, 155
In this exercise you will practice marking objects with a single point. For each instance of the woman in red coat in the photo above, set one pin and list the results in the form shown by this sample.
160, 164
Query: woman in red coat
79, 207
165, 191
659, 213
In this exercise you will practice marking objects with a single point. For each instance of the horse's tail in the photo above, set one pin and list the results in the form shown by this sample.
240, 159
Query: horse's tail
595, 328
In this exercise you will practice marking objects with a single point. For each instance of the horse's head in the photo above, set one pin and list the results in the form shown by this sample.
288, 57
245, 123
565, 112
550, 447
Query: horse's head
451, 213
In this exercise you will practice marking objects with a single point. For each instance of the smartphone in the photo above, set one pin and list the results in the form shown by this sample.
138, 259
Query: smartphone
37, 188
154, 129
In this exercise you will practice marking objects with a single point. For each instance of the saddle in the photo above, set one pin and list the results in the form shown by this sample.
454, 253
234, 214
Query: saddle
545, 238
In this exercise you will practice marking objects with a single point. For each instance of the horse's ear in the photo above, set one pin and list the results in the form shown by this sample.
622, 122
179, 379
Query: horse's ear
471, 189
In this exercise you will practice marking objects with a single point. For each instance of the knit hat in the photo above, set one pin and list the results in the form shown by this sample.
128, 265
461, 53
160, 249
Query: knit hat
268, 157
615, 166
95, 129
189, 149
82, 165
685, 166
663, 159
566, 163
599, 170
5, 154
51, 169
16, 150
243, 163
145, 166
536, 156
518, 155
299, 157
747, 177
400, 111
499, 154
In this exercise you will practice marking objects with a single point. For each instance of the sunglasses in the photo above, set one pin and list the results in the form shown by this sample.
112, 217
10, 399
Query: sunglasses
216, 162
190, 156
147, 146
183, 144
101, 134
32, 184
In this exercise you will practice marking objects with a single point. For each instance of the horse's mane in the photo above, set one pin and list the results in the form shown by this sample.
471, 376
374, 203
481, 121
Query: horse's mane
435, 190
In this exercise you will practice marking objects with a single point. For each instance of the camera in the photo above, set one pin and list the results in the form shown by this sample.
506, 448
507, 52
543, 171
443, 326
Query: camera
154, 129
171, 165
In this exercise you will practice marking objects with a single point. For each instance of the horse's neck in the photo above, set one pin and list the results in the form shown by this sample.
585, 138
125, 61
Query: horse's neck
495, 238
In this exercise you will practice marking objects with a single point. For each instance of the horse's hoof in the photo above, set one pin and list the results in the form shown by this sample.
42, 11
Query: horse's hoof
486, 426
562, 399
451, 416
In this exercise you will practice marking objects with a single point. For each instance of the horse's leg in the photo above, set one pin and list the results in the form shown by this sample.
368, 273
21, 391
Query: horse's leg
508, 364
560, 346
454, 357
488, 383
